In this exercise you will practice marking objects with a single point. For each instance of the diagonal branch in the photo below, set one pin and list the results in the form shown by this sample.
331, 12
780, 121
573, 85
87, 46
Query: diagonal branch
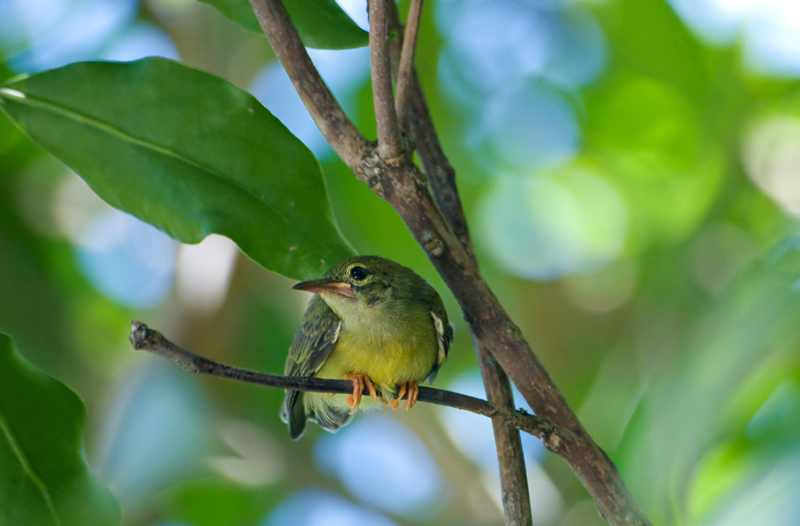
144, 338
437, 167
513, 473
337, 128
400, 183
389, 144
405, 72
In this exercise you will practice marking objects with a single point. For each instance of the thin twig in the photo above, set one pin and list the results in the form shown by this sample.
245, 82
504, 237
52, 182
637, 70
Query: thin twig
405, 74
389, 144
144, 338
338, 130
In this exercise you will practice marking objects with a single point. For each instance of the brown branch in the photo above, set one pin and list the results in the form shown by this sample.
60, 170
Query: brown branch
493, 329
389, 144
405, 72
513, 473
440, 174
144, 338
401, 184
437, 167
337, 128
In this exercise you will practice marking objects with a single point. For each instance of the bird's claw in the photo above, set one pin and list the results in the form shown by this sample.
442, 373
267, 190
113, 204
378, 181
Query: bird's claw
359, 382
410, 390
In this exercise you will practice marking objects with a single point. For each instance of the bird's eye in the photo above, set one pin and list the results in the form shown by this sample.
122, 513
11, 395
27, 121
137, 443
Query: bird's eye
358, 273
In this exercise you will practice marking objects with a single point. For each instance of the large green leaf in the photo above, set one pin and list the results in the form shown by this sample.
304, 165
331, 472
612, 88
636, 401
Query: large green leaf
186, 152
321, 23
44, 479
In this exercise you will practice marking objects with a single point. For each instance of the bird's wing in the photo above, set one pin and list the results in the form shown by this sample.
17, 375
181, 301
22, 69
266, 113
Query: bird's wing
313, 343
444, 337
315, 339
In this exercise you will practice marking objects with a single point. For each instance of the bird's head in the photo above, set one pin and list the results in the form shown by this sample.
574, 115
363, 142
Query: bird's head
358, 285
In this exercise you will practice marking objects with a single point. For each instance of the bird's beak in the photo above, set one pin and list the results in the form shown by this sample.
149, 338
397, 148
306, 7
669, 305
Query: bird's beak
319, 286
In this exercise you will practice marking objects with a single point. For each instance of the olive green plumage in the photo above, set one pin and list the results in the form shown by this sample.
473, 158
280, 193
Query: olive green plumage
369, 316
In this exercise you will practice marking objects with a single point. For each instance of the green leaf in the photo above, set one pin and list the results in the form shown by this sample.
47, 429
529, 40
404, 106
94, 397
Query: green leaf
188, 153
44, 479
321, 23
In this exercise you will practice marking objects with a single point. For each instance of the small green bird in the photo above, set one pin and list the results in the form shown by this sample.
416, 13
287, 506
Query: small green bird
372, 321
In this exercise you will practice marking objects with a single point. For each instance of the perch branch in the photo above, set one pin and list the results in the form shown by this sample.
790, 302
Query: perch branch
144, 338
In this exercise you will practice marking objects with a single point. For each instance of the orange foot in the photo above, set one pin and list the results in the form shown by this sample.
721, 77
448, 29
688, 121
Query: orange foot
411, 391
359, 382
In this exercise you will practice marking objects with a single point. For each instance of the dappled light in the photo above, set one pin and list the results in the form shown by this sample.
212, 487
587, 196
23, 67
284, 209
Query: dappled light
155, 432
322, 508
343, 71
630, 174
131, 262
385, 464
542, 227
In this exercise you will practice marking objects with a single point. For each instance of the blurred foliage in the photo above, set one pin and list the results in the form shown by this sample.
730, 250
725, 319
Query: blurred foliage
650, 259
124, 129
321, 24
45, 477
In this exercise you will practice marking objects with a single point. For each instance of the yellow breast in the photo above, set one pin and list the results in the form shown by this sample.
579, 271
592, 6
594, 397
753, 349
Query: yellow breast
389, 352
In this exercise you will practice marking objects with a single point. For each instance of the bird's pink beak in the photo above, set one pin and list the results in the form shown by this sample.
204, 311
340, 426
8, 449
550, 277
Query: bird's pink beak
318, 286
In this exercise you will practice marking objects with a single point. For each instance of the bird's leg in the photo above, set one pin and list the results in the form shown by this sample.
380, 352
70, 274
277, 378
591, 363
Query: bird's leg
353, 400
359, 382
413, 394
371, 388
411, 391
395, 402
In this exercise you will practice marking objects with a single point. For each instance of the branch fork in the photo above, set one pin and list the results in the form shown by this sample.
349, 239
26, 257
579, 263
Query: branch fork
438, 224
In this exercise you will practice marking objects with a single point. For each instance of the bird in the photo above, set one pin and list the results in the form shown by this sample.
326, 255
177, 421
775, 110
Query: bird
374, 322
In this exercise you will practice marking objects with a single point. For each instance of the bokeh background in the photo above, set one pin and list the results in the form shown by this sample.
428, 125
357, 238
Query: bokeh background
631, 173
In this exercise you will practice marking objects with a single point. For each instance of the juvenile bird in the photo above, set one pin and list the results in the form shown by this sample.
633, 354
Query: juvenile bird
372, 321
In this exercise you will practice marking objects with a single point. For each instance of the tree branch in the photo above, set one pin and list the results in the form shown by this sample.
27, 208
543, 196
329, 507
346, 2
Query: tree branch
144, 338
513, 473
337, 128
405, 75
389, 143
437, 167
440, 174
401, 184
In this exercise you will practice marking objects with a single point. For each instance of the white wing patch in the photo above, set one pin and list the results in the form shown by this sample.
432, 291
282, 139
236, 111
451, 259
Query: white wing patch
331, 343
336, 334
441, 339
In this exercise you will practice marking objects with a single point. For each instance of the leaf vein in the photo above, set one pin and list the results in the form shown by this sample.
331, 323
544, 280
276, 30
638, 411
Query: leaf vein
26, 466
112, 130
